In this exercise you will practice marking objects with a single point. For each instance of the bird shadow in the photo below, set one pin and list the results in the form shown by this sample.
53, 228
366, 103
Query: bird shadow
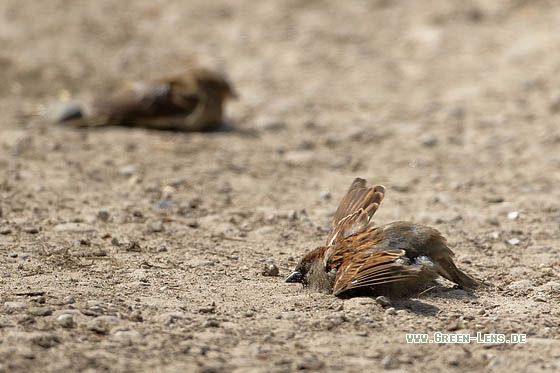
415, 302
419, 307
449, 293
415, 306
227, 126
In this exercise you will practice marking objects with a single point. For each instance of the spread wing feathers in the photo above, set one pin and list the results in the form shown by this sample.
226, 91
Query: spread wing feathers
372, 269
355, 210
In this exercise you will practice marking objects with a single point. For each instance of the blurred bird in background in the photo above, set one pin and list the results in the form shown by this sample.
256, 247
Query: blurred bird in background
191, 101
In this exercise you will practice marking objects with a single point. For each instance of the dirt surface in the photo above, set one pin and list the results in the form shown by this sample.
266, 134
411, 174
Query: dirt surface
131, 250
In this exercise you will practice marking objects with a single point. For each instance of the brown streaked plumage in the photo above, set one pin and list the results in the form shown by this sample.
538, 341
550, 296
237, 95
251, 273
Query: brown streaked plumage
191, 101
395, 259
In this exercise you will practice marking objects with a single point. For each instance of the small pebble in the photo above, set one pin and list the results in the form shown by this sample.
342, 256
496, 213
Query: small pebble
83, 242
140, 274
193, 224
310, 363
551, 286
5, 231
103, 324
41, 311
156, 227
171, 318
326, 195
32, 230
513, 241
69, 299
208, 309
127, 170
387, 362
495, 199
270, 270
429, 140
494, 235
41, 299
383, 301
456, 112
24, 256
390, 311
211, 323
102, 215
306, 145
133, 246
513, 215
13, 255
15, 305
45, 340
115, 241
136, 315
96, 308
521, 284
165, 204
66, 320
192, 204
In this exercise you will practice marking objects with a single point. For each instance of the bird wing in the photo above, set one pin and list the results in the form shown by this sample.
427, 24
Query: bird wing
355, 210
395, 252
367, 269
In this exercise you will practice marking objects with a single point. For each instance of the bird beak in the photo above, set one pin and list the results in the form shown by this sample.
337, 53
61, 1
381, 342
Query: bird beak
295, 277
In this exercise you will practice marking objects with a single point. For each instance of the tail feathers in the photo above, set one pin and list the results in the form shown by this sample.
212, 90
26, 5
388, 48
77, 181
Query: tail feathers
449, 270
464, 280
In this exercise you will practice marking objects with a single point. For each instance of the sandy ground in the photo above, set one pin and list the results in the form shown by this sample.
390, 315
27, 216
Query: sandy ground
130, 250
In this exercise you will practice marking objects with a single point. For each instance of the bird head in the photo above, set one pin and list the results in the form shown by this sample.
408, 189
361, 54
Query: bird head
311, 265
215, 84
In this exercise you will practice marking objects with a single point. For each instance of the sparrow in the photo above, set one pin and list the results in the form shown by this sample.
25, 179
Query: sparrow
394, 259
190, 101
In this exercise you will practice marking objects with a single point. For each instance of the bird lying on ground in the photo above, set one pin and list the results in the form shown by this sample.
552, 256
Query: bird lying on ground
191, 101
394, 259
